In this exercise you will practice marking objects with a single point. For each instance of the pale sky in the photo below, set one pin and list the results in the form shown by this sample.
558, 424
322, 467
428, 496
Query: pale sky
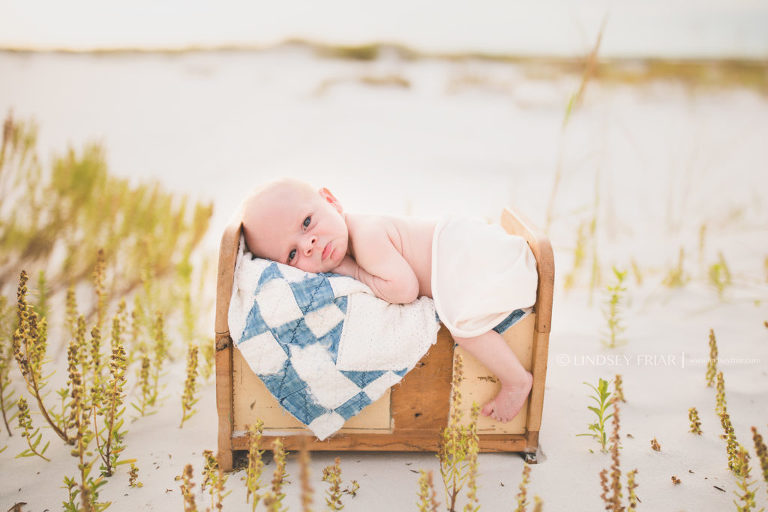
713, 28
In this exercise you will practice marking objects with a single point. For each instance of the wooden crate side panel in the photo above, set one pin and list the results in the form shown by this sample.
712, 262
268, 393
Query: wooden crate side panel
224, 400
252, 400
406, 441
480, 385
230, 243
420, 401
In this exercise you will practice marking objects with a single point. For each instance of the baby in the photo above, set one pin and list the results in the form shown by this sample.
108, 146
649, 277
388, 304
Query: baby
401, 259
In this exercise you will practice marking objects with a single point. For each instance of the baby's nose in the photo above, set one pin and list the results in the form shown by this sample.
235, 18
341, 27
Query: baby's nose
309, 244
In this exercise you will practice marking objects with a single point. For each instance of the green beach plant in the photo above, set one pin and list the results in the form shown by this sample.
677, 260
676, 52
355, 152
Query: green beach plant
676, 276
255, 467
332, 476
110, 439
613, 310
720, 275
33, 437
458, 444
76, 207
602, 397
693, 417
746, 498
29, 349
273, 500
215, 479
522, 495
6, 357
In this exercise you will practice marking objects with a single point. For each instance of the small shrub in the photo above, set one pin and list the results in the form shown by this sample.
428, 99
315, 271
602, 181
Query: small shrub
602, 398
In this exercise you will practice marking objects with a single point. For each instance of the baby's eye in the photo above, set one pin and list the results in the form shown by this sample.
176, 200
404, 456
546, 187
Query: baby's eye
307, 222
291, 255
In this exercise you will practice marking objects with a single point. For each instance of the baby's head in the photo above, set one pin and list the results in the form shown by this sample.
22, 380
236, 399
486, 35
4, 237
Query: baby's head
290, 222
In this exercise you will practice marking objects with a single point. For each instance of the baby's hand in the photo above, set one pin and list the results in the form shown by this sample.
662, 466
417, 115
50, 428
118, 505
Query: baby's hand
347, 267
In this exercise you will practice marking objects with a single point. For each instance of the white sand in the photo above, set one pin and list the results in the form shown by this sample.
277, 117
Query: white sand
670, 160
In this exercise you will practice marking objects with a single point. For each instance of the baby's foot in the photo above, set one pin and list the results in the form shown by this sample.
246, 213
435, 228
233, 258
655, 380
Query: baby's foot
509, 400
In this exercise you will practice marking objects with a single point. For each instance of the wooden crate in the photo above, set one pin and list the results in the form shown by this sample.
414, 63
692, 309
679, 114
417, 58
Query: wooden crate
411, 416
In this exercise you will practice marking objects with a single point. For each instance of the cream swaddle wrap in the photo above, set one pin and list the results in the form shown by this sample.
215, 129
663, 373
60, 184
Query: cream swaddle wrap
480, 274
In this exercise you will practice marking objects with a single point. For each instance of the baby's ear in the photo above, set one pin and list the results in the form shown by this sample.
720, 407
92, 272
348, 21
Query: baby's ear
326, 194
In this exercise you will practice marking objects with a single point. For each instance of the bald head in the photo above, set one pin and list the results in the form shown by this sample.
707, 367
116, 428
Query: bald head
284, 219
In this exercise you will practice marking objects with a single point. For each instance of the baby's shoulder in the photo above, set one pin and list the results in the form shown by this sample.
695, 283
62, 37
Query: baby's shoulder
370, 227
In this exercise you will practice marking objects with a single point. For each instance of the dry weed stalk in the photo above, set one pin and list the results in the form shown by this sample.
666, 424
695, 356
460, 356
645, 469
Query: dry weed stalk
255, 464
579, 255
618, 388
693, 416
712, 364
761, 451
676, 276
188, 399
575, 100
458, 445
306, 485
631, 486
427, 495
538, 505
522, 495
615, 475
133, 476
29, 350
720, 406
186, 489
273, 499
610, 482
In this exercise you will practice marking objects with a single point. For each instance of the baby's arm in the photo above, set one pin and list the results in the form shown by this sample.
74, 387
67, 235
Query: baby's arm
381, 266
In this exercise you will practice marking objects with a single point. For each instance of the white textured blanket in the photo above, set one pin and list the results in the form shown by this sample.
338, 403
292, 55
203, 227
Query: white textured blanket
323, 344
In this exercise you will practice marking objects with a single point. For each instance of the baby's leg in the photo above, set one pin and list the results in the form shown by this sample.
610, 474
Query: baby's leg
494, 353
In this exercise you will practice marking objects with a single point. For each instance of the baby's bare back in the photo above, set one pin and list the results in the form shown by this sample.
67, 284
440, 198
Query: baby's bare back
411, 237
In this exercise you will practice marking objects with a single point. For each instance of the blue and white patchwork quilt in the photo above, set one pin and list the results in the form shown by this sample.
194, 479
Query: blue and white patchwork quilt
323, 344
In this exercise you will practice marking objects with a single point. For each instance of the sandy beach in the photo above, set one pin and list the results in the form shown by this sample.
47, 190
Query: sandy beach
652, 162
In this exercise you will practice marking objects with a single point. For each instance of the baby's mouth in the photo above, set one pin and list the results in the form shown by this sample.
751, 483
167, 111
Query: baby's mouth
327, 251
